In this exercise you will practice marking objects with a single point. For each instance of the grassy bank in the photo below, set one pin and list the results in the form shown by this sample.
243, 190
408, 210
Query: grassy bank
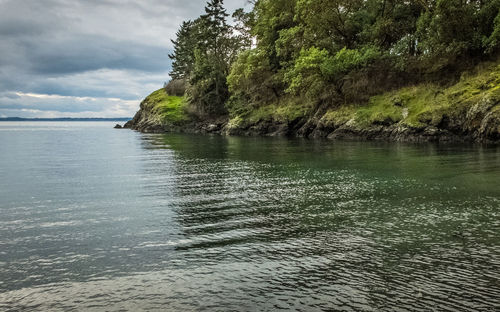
285, 110
468, 108
419, 106
427, 104
165, 108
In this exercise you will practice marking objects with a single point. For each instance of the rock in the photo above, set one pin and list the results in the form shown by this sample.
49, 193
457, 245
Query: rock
212, 128
118, 126
278, 131
129, 124
431, 131
406, 113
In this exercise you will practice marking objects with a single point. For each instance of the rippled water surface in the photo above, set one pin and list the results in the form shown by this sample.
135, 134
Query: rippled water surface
93, 218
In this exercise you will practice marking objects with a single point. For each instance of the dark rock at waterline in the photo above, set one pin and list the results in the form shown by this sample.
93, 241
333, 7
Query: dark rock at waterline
212, 128
452, 130
118, 126
128, 124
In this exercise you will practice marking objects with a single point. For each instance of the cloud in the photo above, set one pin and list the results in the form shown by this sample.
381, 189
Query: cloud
112, 51
34, 103
94, 52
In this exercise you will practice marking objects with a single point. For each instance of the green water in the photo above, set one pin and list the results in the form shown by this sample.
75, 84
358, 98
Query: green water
93, 218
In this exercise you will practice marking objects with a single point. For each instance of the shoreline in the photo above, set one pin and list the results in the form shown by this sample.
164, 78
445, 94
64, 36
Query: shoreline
309, 130
466, 111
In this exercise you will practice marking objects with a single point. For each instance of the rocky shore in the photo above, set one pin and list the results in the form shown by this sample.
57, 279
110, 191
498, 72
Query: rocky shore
467, 111
480, 124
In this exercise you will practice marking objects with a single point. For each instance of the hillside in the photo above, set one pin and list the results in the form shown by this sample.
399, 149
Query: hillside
468, 110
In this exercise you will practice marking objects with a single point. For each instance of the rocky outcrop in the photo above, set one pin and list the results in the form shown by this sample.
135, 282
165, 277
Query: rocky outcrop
146, 120
487, 131
150, 120
480, 123
468, 111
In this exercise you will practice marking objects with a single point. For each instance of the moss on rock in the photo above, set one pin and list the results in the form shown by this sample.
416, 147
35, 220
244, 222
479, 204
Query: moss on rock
166, 108
468, 110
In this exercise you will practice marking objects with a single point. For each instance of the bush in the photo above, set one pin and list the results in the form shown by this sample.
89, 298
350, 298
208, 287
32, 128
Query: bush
176, 87
316, 71
252, 82
493, 41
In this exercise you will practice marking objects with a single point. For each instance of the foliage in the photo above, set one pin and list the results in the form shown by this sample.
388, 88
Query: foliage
492, 43
169, 109
330, 52
453, 32
330, 24
306, 75
203, 53
315, 69
243, 25
425, 104
184, 45
251, 81
176, 87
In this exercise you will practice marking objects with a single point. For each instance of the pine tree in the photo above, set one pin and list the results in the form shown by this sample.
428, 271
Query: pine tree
183, 56
203, 53
217, 33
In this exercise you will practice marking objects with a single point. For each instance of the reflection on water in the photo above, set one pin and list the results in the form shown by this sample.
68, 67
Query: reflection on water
94, 218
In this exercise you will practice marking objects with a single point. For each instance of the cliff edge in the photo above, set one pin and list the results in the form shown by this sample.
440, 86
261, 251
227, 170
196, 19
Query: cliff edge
467, 111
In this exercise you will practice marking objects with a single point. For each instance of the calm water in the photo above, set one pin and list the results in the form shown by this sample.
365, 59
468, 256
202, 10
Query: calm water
93, 218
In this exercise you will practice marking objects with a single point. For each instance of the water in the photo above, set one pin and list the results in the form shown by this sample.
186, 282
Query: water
93, 218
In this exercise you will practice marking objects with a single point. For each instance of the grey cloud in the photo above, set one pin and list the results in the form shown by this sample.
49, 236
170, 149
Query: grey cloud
91, 52
29, 18
61, 105
88, 48
11, 96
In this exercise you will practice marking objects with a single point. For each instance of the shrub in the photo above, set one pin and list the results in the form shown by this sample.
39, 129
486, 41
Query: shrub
315, 70
252, 81
176, 87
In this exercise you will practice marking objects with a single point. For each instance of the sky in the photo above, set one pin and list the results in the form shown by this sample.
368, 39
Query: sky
87, 58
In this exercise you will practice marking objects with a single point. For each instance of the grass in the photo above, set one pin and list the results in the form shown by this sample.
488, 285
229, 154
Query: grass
340, 115
287, 109
416, 106
169, 109
425, 104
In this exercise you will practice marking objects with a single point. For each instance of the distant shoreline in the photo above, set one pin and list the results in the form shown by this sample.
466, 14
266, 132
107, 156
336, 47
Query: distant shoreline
62, 119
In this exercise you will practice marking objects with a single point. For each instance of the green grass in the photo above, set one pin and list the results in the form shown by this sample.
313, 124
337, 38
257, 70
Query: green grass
340, 115
286, 110
169, 109
416, 106
425, 104
412, 106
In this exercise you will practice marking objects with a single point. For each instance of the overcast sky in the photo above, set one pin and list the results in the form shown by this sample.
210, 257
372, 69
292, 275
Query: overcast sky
87, 58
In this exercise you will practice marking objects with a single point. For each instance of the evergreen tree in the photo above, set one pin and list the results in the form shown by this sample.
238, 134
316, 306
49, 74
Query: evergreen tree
216, 49
183, 56
217, 32
328, 50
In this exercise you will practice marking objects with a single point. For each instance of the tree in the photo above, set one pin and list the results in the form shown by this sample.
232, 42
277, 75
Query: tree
271, 18
332, 23
203, 53
208, 87
335, 49
243, 23
184, 46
